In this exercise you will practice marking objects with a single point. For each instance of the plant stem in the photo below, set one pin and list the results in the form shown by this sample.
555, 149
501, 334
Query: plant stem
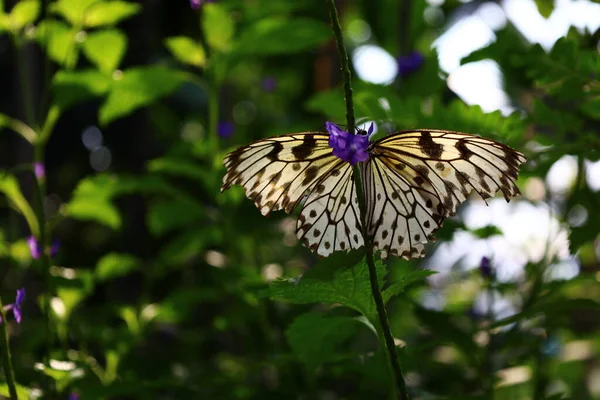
384, 330
339, 39
7, 358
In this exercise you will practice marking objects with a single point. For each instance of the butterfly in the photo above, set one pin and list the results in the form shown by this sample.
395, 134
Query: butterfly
412, 180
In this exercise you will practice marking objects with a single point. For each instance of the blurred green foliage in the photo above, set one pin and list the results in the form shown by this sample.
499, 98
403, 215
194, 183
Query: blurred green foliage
165, 287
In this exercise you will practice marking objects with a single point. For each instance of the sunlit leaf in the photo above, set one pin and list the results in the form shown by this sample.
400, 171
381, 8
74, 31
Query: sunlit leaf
139, 87
218, 26
9, 186
186, 50
23, 13
72, 10
57, 39
317, 339
105, 49
115, 265
275, 36
22, 391
109, 13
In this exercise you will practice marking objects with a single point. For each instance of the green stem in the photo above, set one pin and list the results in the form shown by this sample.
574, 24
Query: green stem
7, 357
339, 39
24, 81
385, 330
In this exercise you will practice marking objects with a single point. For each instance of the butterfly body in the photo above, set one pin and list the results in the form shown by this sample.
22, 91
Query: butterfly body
412, 181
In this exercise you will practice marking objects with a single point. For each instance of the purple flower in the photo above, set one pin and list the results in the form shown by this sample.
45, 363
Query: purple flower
348, 147
39, 170
73, 396
34, 247
485, 267
269, 84
196, 4
54, 248
410, 63
16, 307
225, 129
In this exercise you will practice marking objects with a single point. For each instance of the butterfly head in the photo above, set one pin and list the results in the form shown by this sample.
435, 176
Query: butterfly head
348, 147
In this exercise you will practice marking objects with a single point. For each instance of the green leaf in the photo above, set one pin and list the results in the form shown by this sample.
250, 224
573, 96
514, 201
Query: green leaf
487, 232
57, 39
333, 281
412, 276
165, 216
316, 339
72, 10
9, 186
22, 391
71, 88
23, 13
139, 87
92, 201
105, 49
329, 103
186, 50
545, 7
115, 265
109, 13
276, 36
219, 27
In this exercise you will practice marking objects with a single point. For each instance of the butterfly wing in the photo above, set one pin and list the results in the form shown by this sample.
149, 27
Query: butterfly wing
416, 179
278, 172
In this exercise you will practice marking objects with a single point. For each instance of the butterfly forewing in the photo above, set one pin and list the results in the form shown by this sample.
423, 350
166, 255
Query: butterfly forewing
415, 179
277, 173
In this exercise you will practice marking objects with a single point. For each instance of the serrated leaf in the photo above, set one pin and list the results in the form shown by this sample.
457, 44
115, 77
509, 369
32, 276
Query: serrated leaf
218, 26
277, 36
72, 10
316, 339
23, 13
186, 50
139, 87
74, 87
9, 186
57, 39
115, 265
105, 49
399, 285
109, 13
165, 216
331, 281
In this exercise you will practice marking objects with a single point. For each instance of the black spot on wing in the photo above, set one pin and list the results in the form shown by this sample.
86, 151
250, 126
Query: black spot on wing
302, 151
273, 155
429, 147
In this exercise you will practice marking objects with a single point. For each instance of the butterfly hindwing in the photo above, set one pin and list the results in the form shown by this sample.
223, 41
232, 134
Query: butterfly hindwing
330, 218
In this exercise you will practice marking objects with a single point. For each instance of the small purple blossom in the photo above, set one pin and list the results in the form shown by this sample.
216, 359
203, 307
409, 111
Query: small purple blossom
73, 396
54, 248
410, 63
269, 84
16, 307
34, 247
348, 147
485, 267
196, 4
225, 129
39, 170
